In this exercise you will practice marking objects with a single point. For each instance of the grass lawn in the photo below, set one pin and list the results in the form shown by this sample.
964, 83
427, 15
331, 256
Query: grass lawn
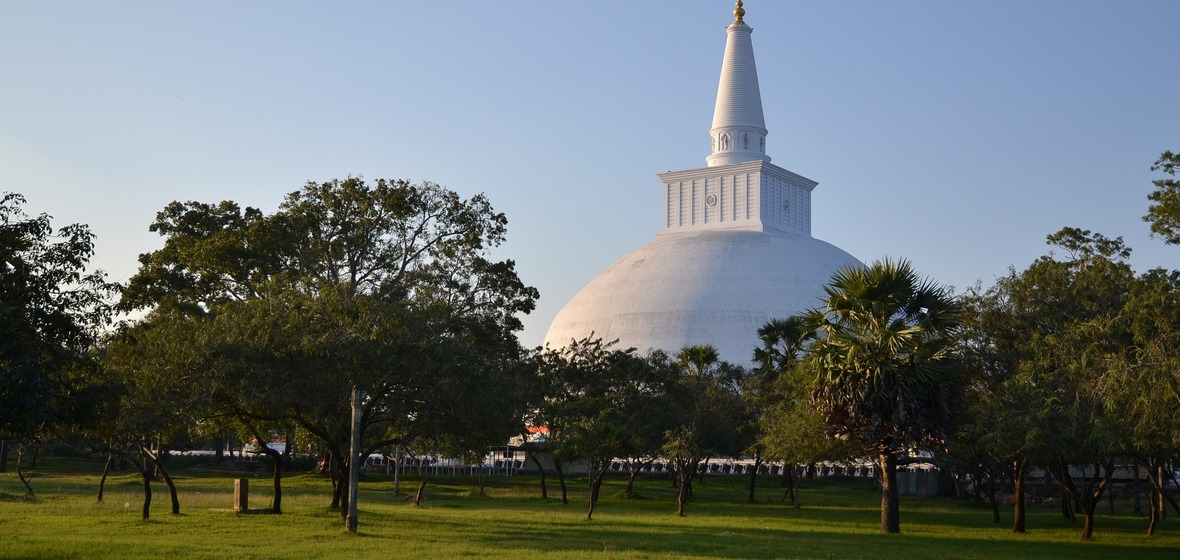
839, 519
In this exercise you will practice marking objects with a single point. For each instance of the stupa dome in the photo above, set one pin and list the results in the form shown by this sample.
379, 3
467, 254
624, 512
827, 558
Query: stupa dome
708, 287
736, 250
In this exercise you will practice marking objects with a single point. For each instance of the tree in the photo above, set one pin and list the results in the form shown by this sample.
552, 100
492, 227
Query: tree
153, 369
780, 407
1164, 212
789, 427
1083, 437
884, 367
600, 403
1142, 381
52, 312
648, 411
709, 413
998, 436
349, 284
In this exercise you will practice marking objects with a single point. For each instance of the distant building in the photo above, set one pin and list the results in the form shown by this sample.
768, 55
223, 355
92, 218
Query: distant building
736, 250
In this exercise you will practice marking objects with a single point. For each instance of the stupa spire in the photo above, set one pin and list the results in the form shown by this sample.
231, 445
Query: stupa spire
739, 129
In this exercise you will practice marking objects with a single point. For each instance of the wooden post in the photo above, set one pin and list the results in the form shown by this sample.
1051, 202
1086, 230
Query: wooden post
242, 494
354, 467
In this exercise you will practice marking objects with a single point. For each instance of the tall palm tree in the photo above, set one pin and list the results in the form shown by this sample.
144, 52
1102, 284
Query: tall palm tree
883, 365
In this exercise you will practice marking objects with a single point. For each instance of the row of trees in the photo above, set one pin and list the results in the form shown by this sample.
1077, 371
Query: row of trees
266, 323
269, 323
1072, 368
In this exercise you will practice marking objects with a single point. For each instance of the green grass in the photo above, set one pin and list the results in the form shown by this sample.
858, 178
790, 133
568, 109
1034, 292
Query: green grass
839, 520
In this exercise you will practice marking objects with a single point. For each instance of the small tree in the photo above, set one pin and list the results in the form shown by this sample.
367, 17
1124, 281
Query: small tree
709, 413
597, 402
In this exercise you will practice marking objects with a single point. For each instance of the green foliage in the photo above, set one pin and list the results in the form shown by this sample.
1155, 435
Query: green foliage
1164, 212
599, 403
1057, 354
884, 366
791, 429
385, 286
52, 311
1142, 380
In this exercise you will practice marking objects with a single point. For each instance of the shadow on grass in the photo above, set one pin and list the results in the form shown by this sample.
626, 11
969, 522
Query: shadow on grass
668, 536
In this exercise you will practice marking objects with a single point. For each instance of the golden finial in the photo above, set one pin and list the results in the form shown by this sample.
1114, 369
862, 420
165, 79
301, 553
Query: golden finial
738, 13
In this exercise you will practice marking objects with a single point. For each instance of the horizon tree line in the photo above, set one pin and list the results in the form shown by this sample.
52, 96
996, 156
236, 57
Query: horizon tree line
263, 324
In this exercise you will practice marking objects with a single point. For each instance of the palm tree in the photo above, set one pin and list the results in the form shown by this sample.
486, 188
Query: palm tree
883, 364
697, 359
783, 342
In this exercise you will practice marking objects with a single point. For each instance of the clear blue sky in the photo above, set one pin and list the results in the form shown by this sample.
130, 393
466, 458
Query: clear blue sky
955, 134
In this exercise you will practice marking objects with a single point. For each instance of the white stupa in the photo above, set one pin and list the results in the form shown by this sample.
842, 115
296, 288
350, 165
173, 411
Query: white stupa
736, 250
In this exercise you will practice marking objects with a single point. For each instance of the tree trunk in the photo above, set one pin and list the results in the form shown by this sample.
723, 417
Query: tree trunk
276, 461
171, 490
540, 469
791, 475
890, 508
1018, 510
684, 476
481, 477
1088, 507
1157, 499
631, 475
158, 464
276, 504
597, 471
3, 455
106, 469
796, 480
1161, 506
342, 491
337, 473
754, 478
147, 493
146, 474
561, 480
418, 494
1090, 494
1066, 506
219, 453
1153, 517
20, 454
991, 495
